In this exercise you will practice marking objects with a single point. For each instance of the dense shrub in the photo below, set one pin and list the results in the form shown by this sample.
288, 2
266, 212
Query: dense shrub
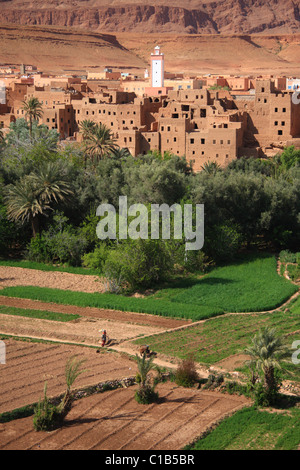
146, 396
223, 242
47, 416
139, 264
61, 243
287, 257
97, 258
61, 247
186, 373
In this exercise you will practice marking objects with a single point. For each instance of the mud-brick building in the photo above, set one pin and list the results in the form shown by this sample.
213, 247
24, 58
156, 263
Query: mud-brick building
125, 114
57, 108
273, 120
198, 125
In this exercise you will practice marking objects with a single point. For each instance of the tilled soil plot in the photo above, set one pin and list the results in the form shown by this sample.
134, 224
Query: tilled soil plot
30, 365
115, 315
11, 276
115, 421
82, 330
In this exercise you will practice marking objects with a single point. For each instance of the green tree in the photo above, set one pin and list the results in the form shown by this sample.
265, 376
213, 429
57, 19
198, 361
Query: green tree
100, 142
86, 128
33, 111
146, 392
48, 416
211, 168
33, 194
266, 352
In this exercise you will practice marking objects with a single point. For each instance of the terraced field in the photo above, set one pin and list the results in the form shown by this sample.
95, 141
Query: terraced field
30, 365
114, 420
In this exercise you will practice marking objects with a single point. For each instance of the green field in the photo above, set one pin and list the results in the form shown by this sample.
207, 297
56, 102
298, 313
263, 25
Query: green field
251, 284
252, 429
112, 301
217, 339
41, 314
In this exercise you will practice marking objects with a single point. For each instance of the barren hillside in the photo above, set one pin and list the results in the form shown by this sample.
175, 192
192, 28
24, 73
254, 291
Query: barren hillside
71, 49
61, 49
158, 16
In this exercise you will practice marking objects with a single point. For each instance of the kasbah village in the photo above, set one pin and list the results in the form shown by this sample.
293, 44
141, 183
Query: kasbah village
207, 118
85, 366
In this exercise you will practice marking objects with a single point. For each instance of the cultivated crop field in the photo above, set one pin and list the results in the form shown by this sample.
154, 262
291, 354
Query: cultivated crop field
249, 285
217, 339
252, 429
30, 364
114, 420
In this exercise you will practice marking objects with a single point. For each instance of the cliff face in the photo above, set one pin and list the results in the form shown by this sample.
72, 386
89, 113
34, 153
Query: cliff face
156, 16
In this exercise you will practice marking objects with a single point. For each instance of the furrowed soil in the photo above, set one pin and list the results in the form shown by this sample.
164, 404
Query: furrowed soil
114, 420
10, 276
29, 365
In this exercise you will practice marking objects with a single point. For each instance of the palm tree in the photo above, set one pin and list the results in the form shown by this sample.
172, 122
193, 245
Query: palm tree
100, 142
86, 128
266, 352
211, 168
144, 367
23, 203
32, 195
51, 182
145, 394
1, 136
120, 153
33, 110
72, 371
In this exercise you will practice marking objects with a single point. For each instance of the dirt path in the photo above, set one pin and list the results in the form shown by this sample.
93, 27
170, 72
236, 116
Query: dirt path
114, 420
80, 331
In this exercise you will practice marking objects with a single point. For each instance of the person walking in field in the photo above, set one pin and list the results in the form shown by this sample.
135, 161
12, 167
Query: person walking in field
103, 338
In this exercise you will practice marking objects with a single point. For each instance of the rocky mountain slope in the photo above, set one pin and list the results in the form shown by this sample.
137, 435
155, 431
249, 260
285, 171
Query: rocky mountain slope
158, 16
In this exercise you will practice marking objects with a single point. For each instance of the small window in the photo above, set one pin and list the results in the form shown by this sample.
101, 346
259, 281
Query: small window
192, 141
279, 132
284, 110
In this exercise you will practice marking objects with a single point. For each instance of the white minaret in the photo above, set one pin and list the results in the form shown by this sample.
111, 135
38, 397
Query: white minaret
157, 68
